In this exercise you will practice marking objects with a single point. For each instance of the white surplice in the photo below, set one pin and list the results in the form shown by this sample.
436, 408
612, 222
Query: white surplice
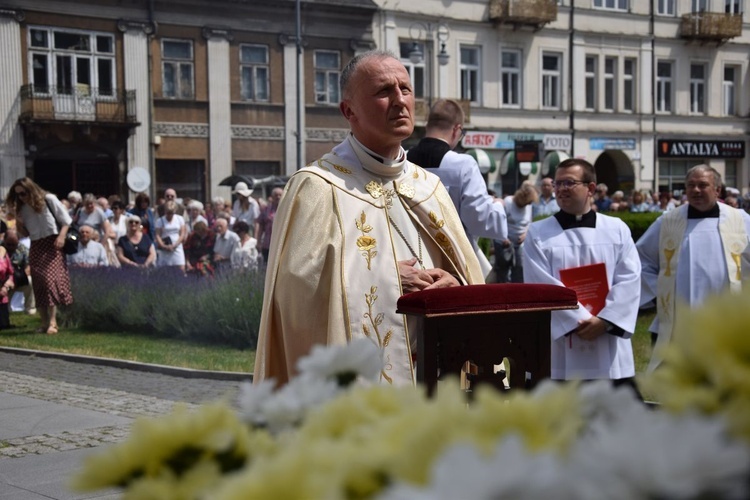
548, 249
701, 267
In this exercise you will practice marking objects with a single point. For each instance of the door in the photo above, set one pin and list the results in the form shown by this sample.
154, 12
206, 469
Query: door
73, 99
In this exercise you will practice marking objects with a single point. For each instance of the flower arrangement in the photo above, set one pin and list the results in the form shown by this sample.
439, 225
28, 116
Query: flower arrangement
333, 433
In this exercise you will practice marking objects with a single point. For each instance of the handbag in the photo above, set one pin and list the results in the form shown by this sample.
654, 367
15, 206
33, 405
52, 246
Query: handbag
71, 238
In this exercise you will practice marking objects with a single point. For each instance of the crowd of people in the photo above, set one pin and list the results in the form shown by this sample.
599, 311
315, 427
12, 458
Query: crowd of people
43, 236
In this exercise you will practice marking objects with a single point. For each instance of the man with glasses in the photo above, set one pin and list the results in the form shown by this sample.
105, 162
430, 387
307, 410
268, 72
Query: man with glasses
587, 343
171, 195
480, 214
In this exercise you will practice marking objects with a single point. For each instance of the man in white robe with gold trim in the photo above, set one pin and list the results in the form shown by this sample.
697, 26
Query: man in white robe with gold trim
355, 230
696, 250
584, 345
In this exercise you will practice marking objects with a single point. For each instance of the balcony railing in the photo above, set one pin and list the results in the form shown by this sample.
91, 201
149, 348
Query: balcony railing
79, 104
711, 26
531, 12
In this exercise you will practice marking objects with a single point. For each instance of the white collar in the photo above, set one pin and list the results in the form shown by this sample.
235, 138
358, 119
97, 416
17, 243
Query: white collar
375, 163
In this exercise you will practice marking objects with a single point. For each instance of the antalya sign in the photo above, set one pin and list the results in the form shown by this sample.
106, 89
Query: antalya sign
701, 149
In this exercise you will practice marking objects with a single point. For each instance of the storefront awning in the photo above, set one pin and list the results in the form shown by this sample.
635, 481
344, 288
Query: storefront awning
551, 161
483, 159
508, 165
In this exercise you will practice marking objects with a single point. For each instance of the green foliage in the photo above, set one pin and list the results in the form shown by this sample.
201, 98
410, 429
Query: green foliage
638, 222
224, 309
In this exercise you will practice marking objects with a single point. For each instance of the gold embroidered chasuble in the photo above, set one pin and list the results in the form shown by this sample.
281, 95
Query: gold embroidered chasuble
734, 240
333, 262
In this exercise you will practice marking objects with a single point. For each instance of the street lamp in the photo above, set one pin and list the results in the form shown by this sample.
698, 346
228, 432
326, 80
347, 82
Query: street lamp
441, 32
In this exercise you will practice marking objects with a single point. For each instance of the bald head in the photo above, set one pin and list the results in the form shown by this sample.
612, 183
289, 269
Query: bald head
351, 68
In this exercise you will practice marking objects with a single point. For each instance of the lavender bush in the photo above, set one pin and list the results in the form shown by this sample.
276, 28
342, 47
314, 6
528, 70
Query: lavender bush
223, 309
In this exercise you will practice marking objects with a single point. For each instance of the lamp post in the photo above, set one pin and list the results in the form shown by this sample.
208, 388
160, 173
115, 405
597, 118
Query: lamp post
439, 31
435, 33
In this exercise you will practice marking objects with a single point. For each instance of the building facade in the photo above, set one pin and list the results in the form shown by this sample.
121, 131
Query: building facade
122, 96
642, 89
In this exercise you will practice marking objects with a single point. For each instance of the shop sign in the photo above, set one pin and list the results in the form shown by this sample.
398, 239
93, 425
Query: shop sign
669, 148
505, 140
607, 143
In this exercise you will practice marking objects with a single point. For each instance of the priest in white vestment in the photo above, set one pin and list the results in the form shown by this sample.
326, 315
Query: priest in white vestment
585, 345
355, 230
696, 250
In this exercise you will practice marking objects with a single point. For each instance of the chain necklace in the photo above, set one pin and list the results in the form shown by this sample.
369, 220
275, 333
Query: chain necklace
419, 241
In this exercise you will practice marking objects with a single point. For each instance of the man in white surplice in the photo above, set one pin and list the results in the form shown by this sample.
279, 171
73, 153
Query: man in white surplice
698, 249
585, 346
355, 230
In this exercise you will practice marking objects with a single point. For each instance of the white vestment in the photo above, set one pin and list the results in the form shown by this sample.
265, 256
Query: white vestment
548, 249
333, 274
701, 266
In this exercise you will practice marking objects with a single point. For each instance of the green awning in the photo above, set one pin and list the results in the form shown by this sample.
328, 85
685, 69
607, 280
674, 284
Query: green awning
483, 160
551, 161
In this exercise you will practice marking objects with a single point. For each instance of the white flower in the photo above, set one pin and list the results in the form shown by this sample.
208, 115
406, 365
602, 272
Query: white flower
511, 473
359, 357
653, 454
252, 398
290, 404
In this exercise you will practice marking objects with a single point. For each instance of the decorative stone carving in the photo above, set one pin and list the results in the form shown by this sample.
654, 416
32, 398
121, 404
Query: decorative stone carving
146, 26
257, 132
170, 129
217, 32
326, 134
18, 15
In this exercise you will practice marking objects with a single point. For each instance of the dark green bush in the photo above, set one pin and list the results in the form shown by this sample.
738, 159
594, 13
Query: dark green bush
224, 309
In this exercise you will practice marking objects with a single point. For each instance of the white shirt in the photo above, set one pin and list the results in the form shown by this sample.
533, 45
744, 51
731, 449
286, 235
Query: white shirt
93, 254
548, 249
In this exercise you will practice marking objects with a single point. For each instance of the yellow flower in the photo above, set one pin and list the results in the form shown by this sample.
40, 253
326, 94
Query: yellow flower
707, 365
171, 445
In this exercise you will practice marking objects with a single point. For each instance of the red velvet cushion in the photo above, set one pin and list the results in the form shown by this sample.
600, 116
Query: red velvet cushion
477, 299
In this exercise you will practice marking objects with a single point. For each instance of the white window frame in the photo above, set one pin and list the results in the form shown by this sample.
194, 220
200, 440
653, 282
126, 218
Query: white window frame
514, 75
729, 90
610, 84
420, 91
178, 64
53, 55
629, 84
698, 89
619, 5
551, 82
329, 74
471, 74
732, 6
698, 6
254, 68
665, 7
590, 87
665, 88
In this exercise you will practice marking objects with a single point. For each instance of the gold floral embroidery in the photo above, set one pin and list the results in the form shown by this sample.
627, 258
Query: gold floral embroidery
365, 243
377, 190
440, 237
406, 190
375, 322
342, 169
435, 223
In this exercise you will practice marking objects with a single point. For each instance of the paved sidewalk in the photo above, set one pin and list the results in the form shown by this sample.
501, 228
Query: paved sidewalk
53, 412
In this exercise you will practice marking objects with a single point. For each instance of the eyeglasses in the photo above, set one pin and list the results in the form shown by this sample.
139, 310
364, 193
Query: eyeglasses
133, 222
567, 184
22, 194
463, 131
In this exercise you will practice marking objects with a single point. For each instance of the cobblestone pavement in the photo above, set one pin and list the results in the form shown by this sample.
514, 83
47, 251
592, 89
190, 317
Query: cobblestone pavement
115, 391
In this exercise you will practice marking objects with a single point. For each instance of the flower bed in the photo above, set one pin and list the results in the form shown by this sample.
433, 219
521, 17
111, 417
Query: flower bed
332, 433
223, 309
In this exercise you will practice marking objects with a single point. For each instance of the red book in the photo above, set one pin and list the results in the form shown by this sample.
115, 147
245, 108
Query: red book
589, 283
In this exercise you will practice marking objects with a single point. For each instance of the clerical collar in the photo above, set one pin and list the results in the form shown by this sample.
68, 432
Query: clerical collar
376, 164
570, 221
694, 213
